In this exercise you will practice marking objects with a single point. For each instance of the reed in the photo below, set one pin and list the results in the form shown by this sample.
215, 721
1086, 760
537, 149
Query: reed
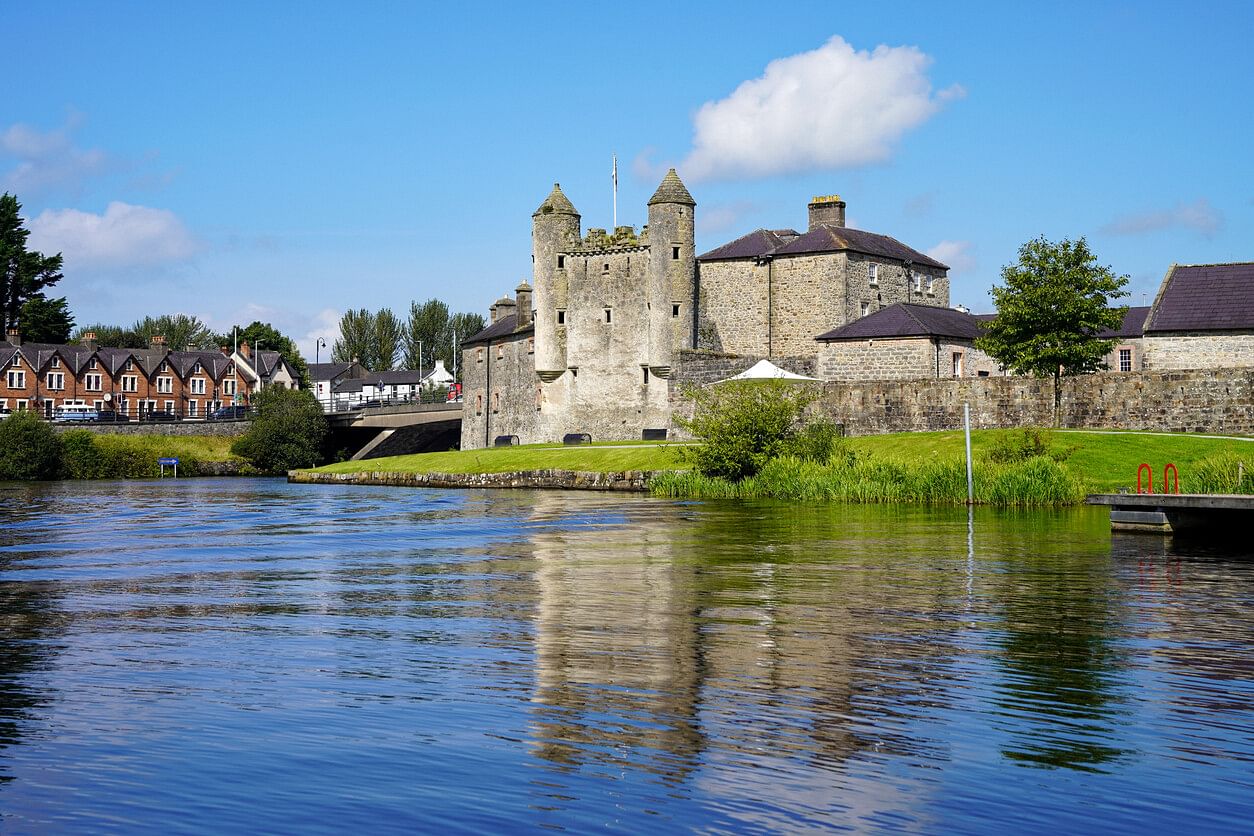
1222, 473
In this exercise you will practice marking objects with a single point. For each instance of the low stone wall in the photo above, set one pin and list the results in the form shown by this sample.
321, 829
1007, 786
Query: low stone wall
226, 429
629, 480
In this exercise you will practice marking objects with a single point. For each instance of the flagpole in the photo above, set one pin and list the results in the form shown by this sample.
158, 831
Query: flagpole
614, 175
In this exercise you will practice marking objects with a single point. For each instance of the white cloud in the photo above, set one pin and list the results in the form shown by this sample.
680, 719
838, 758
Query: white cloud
124, 236
957, 254
47, 160
832, 107
325, 325
1198, 216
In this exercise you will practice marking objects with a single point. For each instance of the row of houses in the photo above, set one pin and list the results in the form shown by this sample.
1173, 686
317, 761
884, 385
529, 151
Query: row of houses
1201, 318
193, 383
343, 386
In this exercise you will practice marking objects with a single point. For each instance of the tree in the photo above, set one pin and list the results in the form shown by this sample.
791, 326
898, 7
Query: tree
287, 432
356, 334
389, 334
46, 320
271, 339
23, 273
109, 336
29, 448
1053, 304
428, 329
179, 330
462, 326
744, 424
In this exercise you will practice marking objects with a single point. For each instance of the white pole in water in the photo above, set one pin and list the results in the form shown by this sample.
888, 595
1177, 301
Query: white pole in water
966, 424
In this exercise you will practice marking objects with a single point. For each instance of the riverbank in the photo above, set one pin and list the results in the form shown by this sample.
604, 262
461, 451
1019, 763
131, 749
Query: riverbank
901, 467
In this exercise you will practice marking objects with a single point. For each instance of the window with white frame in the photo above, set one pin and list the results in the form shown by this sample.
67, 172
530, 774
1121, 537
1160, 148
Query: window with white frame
873, 274
165, 385
169, 406
1125, 359
16, 379
918, 282
957, 360
130, 383
191, 409
56, 381
931, 289
129, 365
92, 382
198, 386
228, 386
92, 364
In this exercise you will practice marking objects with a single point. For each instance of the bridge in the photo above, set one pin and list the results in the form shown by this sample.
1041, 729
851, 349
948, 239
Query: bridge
394, 429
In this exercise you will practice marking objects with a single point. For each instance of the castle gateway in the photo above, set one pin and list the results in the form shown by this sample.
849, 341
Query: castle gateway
589, 346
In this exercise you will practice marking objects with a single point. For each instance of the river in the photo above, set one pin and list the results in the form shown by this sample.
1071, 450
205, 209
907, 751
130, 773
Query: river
207, 656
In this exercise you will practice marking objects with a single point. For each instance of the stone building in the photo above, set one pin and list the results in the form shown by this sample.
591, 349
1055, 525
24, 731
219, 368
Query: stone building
1202, 318
771, 292
1128, 352
588, 347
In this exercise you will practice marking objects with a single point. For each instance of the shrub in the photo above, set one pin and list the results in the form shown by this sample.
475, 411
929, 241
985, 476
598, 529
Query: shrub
29, 448
287, 432
744, 424
81, 456
818, 441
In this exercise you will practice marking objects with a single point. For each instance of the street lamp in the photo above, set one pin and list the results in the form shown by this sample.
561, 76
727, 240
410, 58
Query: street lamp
320, 344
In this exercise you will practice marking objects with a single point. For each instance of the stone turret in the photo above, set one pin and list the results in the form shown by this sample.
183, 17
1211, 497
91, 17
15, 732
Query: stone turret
827, 209
554, 231
672, 272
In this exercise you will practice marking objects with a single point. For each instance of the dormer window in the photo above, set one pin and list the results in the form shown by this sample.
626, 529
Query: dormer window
56, 362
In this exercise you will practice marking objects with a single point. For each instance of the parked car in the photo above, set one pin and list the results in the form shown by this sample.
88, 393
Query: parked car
75, 412
228, 413
109, 416
158, 415
5, 412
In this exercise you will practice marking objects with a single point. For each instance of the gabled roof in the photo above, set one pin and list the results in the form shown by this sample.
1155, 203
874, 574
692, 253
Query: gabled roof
397, 377
1204, 297
826, 238
503, 327
756, 244
907, 320
1133, 325
113, 359
328, 371
213, 363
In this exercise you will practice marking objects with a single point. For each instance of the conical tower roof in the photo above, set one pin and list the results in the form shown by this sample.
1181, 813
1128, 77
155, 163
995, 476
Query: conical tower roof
556, 204
672, 190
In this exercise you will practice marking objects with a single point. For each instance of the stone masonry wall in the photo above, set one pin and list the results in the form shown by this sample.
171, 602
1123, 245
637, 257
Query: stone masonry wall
731, 307
213, 428
1197, 351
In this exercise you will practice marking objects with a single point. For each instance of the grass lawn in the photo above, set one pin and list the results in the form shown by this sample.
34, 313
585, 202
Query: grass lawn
1105, 461
596, 458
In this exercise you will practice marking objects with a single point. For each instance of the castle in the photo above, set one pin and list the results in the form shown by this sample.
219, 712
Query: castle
592, 344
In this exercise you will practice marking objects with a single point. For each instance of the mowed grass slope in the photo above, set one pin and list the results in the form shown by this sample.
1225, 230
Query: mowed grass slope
1104, 461
205, 448
608, 457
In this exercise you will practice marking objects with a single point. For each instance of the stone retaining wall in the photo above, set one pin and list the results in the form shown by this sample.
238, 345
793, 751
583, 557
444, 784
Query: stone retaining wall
210, 428
629, 480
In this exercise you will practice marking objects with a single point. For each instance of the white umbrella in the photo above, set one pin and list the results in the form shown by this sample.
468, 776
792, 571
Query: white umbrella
766, 370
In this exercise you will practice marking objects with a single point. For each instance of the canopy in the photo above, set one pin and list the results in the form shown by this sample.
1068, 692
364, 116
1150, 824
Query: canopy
766, 370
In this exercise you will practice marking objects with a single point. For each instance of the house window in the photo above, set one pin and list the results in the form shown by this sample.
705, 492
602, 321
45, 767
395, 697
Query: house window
873, 274
169, 406
92, 364
228, 387
163, 367
191, 409
957, 364
918, 282
198, 386
531, 345
674, 253
675, 309
561, 317
1125, 359
20, 406
56, 380
196, 369
92, 382
866, 308
609, 315
930, 287
56, 362
130, 383
165, 385
561, 261
128, 365
17, 380
97, 405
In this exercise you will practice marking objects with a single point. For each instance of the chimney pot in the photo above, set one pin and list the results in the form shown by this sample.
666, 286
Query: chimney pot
14, 336
827, 209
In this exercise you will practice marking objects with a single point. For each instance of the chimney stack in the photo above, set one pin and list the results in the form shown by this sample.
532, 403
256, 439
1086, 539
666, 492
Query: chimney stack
245, 350
827, 209
13, 336
157, 342
89, 341
523, 297
225, 349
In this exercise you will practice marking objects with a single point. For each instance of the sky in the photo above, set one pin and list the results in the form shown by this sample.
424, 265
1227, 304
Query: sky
290, 161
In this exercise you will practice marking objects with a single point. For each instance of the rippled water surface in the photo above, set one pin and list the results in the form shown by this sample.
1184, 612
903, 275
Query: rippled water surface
230, 655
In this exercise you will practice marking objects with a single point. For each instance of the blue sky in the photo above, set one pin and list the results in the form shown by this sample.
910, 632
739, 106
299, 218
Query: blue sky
290, 161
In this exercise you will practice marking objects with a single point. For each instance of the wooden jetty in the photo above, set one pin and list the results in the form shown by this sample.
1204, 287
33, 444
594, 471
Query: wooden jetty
1172, 513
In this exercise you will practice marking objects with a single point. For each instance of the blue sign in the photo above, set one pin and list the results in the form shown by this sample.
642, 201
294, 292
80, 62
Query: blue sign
168, 461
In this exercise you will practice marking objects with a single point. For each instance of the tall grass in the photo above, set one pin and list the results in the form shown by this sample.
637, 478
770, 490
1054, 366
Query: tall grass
1223, 473
1035, 481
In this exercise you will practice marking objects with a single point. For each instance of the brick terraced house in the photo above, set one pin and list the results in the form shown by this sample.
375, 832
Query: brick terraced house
128, 381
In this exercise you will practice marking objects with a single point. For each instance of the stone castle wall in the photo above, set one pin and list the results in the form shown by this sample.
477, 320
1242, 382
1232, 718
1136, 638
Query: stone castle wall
731, 307
1197, 350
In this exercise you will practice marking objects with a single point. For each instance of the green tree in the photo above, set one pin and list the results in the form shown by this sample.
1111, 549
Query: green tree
23, 273
46, 320
462, 326
428, 329
271, 339
355, 340
180, 332
29, 448
744, 424
109, 336
287, 432
389, 335
1051, 307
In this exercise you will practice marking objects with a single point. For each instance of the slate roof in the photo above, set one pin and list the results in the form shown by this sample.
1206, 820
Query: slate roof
328, 371
907, 320
503, 327
827, 238
1204, 297
1133, 325
756, 244
398, 377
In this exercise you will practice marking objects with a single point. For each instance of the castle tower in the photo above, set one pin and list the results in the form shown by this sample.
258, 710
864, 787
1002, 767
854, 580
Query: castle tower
672, 272
554, 230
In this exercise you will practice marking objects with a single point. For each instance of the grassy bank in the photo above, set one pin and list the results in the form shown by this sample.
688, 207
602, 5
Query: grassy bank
904, 467
87, 455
